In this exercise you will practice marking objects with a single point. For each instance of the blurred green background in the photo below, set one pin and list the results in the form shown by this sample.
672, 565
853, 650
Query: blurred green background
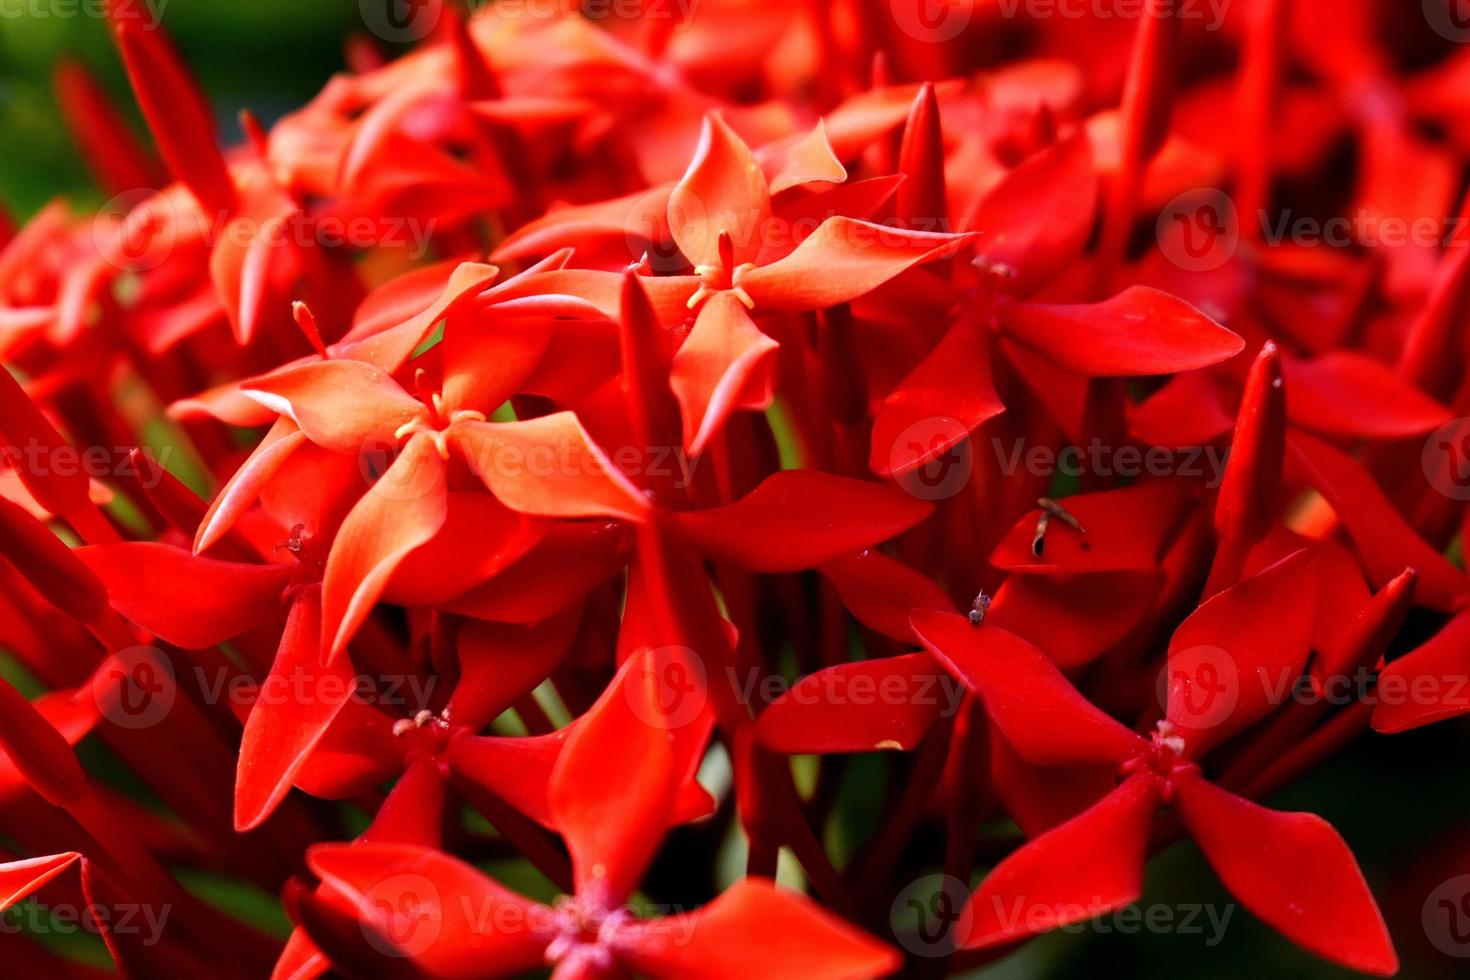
265, 55
1400, 802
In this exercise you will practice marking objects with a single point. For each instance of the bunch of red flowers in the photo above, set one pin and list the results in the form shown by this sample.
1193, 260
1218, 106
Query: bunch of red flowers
501, 507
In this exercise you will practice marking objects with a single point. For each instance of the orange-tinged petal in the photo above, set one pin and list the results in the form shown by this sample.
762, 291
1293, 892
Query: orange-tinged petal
292, 710
725, 364
841, 261
723, 193
548, 466
402, 511
341, 405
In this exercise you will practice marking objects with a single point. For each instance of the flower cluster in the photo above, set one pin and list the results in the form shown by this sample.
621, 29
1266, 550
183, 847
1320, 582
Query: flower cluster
492, 507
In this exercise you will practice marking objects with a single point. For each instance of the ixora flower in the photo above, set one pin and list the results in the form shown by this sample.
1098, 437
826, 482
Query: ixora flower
652, 495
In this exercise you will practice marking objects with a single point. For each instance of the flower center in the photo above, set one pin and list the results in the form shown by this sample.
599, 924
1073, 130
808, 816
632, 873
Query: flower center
426, 727
435, 422
723, 276
586, 930
1163, 758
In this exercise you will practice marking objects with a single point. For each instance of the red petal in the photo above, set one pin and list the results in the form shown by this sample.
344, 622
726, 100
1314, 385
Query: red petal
653, 411
442, 915
19, 879
1125, 530
486, 363
402, 511
951, 386
841, 261
860, 707
1293, 871
613, 788
1236, 657
725, 364
1427, 684
548, 466
50, 566
181, 121
480, 539
1384, 540
881, 593
112, 152
723, 192
62, 490
516, 770
341, 405
637, 217
1246, 507
798, 519
1343, 393
38, 750
921, 197
1140, 331
499, 664
569, 562
244, 488
1074, 618
750, 927
1037, 708
206, 602
293, 708
1039, 217
1089, 865
809, 159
